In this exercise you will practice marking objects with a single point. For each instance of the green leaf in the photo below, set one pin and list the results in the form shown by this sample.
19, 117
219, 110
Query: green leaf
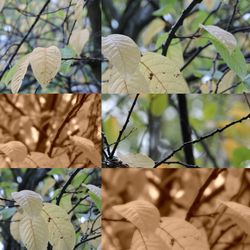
111, 129
158, 104
9, 74
240, 157
235, 60
67, 52
6, 213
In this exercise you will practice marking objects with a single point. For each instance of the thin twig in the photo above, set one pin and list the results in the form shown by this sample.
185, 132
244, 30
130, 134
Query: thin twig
124, 126
218, 130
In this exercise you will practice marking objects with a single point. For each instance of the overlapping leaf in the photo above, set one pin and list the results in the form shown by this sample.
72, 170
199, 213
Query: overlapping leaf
16, 150
153, 242
240, 214
142, 214
90, 151
30, 202
61, 231
122, 52
119, 85
162, 74
180, 235
34, 232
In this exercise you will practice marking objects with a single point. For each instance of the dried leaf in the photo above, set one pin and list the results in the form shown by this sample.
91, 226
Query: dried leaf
181, 235
16, 150
89, 149
142, 214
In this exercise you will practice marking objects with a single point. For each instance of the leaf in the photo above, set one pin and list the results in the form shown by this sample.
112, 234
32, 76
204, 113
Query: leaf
67, 52
230, 52
78, 9
241, 157
136, 160
20, 70
240, 214
29, 201
78, 39
61, 231
95, 195
142, 214
7, 212
89, 149
153, 242
153, 29
224, 37
16, 150
122, 52
2, 2
34, 233
158, 104
162, 74
119, 85
111, 134
45, 63
181, 235
14, 226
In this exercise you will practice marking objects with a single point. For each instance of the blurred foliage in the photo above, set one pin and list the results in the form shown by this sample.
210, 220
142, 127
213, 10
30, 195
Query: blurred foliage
173, 192
85, 215
154, 127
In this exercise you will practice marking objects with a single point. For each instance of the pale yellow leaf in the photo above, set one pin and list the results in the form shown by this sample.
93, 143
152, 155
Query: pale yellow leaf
162, 74
78, 40
181, 235
61, 231
136, 160
16, 150
226, 38
152, 242
34, 232
88, 147
119, 85
240, 214
142, 214
29, 201
153, 29
45, 63
17, 78
14, 225
94, 189
78, 9
122, 52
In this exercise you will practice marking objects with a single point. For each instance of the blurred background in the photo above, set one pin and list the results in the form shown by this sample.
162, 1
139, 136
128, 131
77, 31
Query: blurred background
154, 127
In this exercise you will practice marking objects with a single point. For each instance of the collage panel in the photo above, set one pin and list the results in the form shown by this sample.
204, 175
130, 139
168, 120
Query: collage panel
50, 209
175, 46
172, 131
50, 46
162, 209
50, 131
